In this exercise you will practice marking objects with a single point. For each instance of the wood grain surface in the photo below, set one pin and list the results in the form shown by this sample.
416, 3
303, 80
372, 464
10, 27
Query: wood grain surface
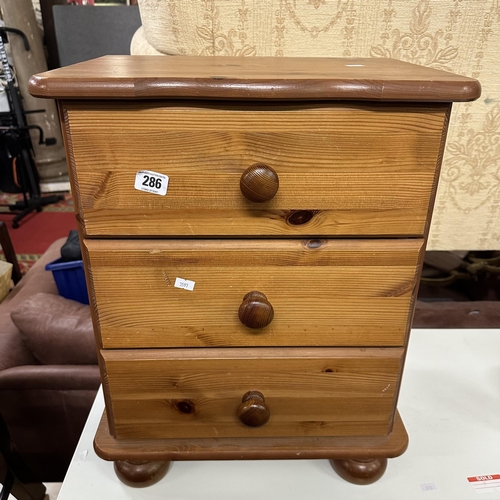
345, 169
195, 393
146, 77
324, 292
324, 351
303, 447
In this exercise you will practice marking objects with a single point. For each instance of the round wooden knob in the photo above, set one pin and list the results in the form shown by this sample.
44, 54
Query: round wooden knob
259, 182
255, 310
253, 410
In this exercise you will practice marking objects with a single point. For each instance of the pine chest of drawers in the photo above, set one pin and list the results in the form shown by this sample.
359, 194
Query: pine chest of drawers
253, 232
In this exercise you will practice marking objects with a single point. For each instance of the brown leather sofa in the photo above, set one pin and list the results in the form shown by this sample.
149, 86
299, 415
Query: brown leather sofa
45, 404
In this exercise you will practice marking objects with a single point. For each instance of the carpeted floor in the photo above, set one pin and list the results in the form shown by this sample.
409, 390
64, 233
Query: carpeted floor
64, 206
38, 230
457, 314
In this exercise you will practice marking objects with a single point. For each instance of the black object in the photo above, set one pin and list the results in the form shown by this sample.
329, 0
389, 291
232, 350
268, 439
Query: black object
16, 142
84, 32
71, 249
15, 476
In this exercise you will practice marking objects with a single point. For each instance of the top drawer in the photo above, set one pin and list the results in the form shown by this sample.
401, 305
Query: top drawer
343, 169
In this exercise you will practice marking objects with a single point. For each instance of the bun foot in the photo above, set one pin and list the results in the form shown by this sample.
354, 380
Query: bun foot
360, 471
140, 473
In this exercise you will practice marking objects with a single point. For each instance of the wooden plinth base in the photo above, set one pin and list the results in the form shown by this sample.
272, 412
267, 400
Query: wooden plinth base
160, 450
360, 459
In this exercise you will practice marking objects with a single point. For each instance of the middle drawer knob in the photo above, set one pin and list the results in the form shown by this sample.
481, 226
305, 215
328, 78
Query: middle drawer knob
255, 310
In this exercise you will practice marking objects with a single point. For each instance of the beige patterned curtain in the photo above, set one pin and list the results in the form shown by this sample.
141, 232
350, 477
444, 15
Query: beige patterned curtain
462, 36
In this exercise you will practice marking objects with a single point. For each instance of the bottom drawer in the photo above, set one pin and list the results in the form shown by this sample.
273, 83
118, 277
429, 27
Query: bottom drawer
197, 393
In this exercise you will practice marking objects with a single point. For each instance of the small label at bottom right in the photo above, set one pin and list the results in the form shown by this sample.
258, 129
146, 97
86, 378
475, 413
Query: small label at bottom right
486, 483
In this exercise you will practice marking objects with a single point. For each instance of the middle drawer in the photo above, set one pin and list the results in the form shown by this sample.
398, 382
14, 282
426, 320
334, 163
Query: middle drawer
321, 292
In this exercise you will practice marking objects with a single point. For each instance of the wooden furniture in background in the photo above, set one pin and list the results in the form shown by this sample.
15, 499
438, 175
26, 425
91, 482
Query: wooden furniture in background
298, 206
9, 252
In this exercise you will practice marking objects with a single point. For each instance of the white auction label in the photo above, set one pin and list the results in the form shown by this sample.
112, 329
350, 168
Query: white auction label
428, 487
186, 284
486, 483
151, 182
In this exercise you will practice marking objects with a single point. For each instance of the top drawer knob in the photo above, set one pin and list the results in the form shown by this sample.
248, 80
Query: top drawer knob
259, 183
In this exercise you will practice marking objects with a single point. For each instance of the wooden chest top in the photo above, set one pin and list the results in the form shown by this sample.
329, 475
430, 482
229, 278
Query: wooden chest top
150, 77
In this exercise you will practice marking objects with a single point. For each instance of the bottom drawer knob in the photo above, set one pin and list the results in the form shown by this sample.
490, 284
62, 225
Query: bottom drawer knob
253, 410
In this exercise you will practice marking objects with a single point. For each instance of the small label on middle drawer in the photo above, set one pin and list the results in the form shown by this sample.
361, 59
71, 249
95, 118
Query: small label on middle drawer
186, 284
151, 182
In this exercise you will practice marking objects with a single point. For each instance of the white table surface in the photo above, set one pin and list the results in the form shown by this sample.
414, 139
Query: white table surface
449, 401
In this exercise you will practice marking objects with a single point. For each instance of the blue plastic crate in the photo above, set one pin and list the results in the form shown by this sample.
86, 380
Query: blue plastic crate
70, 279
